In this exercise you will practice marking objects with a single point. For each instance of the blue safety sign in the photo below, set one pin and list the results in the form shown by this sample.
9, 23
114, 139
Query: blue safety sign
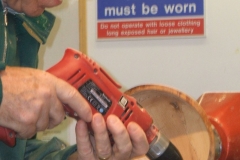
112, 9
149, 18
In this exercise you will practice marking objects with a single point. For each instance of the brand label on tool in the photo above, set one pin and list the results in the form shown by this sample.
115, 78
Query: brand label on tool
95, 96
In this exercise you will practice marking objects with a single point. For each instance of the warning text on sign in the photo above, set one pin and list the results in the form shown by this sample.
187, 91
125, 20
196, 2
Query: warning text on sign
151, 28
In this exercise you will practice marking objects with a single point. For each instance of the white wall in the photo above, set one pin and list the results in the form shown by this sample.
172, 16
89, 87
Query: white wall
193, 66
65, 34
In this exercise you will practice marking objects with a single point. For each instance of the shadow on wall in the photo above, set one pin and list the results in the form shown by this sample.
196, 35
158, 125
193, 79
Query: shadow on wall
54, 32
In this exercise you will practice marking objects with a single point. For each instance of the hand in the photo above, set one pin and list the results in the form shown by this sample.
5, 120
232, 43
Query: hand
31, 7
32, 101
129, 142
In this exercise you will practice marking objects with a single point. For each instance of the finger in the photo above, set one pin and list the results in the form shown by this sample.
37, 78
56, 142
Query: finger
103, 146
71, 97
26, 132
84, 147
56, 114
51, 113
43, 120
31, 7
122, 147
138, 138
49, 3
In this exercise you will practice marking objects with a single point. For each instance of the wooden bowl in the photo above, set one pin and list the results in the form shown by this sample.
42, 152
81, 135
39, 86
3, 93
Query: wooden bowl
178, 117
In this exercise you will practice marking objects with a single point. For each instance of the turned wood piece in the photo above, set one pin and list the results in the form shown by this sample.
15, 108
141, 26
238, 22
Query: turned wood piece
178, 117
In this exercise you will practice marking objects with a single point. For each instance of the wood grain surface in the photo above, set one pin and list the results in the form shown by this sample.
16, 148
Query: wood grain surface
178, 117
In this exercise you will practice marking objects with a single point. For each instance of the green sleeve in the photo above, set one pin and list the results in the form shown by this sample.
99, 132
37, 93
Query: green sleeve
54, 149
34, 149
2, 67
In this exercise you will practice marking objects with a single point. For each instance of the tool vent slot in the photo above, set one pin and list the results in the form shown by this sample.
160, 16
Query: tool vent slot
76, 77
126, 114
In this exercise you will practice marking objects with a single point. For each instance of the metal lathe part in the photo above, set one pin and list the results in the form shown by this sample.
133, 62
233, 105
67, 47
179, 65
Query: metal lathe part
218, 143
157, 147
162, 149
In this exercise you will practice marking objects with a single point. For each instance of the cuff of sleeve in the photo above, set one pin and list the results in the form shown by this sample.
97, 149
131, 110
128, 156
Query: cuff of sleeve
2, 67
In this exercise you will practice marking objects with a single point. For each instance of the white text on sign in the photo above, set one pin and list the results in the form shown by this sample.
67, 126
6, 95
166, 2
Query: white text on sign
150, 10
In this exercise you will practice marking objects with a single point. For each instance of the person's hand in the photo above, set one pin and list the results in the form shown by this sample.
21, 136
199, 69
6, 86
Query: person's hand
130, 142
32, 101
31, 7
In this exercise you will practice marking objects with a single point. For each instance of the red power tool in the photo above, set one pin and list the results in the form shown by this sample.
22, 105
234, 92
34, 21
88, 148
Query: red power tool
104, 96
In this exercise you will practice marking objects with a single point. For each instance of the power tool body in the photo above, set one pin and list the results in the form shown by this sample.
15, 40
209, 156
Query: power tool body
104, 96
